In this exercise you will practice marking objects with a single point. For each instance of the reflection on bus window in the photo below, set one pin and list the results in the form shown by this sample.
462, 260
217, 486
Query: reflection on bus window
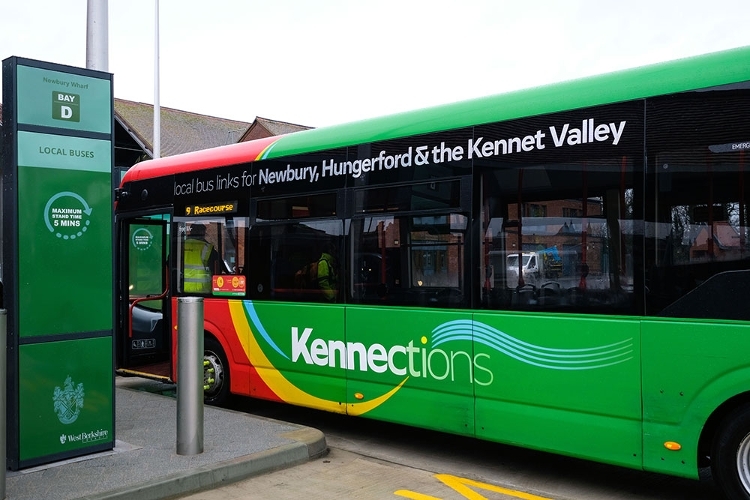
409, 260
701, 230
542, 251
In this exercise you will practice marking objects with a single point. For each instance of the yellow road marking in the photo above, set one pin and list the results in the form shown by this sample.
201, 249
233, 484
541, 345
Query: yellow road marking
464, 487
414, 495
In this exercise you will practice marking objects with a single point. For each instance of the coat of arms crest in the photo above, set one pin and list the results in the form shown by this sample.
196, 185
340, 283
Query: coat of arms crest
68, 401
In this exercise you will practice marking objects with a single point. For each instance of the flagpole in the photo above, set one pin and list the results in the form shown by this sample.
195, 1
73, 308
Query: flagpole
97, 35
157, 107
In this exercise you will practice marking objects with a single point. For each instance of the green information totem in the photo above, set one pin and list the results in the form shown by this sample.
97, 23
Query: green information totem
58, 266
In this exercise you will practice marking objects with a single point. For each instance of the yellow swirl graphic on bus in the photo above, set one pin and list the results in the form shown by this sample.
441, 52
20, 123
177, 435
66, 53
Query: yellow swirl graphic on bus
282, 387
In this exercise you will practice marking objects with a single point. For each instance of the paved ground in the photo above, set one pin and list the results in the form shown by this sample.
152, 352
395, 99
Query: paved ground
144, 464
340, 474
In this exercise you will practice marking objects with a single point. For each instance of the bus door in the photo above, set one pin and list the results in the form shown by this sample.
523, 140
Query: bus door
144, 336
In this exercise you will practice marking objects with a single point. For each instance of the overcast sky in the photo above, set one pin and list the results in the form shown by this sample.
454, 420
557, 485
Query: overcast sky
322, 62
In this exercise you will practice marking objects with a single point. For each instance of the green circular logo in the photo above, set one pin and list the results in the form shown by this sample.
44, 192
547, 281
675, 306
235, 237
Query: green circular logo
142, 239
67, 215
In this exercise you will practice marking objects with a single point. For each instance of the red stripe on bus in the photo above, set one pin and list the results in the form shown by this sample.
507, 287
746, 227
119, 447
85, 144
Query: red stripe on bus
232, 154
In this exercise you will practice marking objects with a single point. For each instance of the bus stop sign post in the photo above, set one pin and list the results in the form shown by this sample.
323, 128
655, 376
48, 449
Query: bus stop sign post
57, 199
189, 375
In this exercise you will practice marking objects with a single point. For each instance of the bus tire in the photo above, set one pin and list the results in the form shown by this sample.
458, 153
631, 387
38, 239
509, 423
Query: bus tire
215, 373
730, 455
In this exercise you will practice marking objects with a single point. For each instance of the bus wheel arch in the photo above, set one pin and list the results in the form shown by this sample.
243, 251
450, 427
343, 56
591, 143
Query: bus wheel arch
713, 425
730, 453
215, 372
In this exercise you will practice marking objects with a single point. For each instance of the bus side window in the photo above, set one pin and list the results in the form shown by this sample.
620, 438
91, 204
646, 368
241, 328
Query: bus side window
209, 248
297, 262
572, 253
697, 231
233, 243
409, 260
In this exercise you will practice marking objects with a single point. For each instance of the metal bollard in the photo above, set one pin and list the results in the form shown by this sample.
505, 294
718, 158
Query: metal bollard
3, 397
189, 375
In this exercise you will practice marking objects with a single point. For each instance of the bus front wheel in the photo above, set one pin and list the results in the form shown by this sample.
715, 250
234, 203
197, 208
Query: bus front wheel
730, 456
215, 373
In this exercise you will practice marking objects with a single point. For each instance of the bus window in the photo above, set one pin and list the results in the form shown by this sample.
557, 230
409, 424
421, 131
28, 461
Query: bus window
208, 249
296, 262
545, 251
697, 232
416, 256
701, 231
409, 260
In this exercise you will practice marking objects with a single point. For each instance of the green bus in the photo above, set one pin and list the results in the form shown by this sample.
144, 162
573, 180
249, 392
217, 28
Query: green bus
564, 268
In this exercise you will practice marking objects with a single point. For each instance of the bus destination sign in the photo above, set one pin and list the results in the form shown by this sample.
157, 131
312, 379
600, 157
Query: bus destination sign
226, 207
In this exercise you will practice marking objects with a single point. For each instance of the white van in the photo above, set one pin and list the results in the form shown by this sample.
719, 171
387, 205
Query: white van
531, 265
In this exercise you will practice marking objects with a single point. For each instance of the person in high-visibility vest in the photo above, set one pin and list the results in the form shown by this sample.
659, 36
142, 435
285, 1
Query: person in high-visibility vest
326, 275
199, 257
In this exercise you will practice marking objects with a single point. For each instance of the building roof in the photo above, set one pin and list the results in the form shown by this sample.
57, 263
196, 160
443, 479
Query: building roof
264, 127
723, 234
181, 131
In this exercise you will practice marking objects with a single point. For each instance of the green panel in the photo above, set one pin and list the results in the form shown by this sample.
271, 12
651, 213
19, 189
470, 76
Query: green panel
63, 100
145, 257
441, 411
65, 251
438, 377
63, 152
689, 369
66, 401
389, 370
569, 384
290, 325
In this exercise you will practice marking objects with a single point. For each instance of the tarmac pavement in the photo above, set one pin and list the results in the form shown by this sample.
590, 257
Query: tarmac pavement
144, 464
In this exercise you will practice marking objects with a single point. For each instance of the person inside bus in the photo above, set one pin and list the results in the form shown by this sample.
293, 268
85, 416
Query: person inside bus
200, 259
326, 273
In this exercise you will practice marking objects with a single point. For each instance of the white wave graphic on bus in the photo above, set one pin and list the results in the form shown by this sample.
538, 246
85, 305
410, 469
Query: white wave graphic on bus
589, 358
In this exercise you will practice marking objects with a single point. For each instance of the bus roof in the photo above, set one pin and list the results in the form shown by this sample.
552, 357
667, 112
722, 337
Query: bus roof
709, 70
